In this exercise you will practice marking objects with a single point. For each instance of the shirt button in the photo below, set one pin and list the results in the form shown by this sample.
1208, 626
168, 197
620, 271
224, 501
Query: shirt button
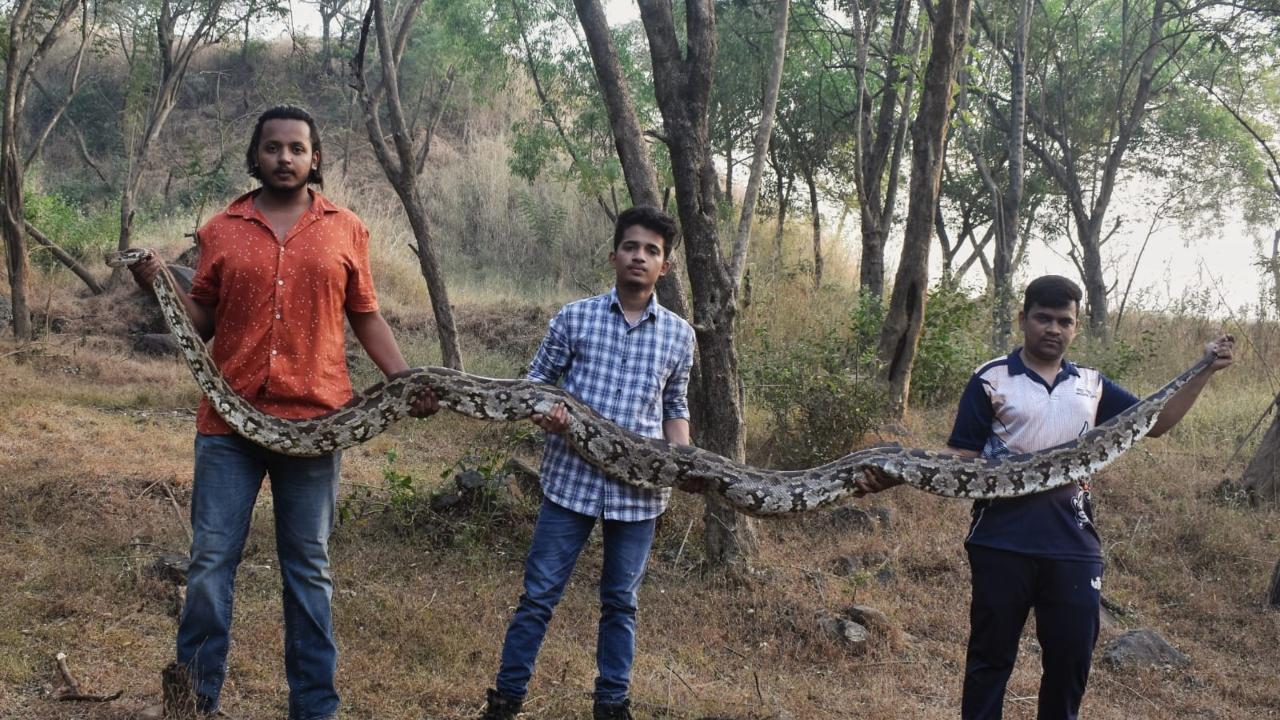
273, 352
279, 282
277, 316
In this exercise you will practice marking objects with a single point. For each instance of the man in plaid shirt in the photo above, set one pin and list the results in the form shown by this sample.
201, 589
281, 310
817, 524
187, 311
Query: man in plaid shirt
628, 358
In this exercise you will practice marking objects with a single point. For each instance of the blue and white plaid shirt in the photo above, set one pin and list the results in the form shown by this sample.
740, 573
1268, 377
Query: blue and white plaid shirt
635, 375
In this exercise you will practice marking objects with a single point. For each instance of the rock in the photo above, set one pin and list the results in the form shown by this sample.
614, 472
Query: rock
850, 565
850, 517
469, 481
846, 632
158, 344
1142, 648
445, 501
172, 568
182, 275
868, 617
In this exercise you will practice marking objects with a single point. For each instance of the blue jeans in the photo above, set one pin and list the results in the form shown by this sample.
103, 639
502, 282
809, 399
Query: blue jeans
228, 474
557, 539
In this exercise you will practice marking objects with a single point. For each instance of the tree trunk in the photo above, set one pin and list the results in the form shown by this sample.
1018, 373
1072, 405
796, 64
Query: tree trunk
760, 145
905, 318
65, 258
1262, 476
429, 265
682, 85
1275, 269
879, 145
1007, 224
404, 162
815, 218
628, 139
14, 244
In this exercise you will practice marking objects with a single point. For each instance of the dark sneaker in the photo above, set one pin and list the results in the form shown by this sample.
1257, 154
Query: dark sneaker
612, 711
500, 707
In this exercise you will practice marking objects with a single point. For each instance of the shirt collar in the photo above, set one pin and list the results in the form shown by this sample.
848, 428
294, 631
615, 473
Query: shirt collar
651, 310
1018, 367
243, 205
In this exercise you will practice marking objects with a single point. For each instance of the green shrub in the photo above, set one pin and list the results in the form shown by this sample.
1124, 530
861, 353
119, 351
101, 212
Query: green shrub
820, 391
84, 236
952, 344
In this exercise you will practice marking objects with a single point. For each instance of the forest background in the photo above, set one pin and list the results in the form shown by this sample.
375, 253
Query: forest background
863, 188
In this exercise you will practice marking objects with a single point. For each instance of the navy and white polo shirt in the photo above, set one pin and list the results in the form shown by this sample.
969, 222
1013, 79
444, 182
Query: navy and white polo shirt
1008, 408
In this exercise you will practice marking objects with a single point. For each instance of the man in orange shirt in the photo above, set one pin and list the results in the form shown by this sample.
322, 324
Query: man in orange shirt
278, 271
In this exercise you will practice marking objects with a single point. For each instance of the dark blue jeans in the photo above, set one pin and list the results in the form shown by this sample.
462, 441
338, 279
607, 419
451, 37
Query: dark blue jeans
1065, 595
558, 537
228, 474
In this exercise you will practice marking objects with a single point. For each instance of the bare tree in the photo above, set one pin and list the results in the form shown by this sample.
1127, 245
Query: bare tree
32, 33
405, 160
949, 23
181, 29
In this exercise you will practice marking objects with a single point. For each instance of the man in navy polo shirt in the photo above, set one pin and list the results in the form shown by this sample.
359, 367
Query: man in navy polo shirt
1039, 551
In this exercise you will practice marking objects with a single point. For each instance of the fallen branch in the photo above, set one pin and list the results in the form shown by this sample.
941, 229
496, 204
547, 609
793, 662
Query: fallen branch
72, 693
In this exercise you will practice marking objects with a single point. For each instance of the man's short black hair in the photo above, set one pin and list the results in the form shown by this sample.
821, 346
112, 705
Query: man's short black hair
1051, 291
649, 218
285, 112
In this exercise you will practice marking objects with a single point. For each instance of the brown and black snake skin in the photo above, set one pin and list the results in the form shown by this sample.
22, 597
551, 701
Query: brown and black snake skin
649, 463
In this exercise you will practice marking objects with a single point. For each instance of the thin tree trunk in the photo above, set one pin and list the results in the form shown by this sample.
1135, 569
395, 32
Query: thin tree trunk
1007, 210
815, 218
628, 139
878, 146
905, 318
404, 162
1275, 269
66, 259
768, 105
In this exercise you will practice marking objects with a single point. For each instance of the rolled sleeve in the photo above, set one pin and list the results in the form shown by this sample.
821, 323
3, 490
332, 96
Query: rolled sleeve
675, 401
974, 414
552, 358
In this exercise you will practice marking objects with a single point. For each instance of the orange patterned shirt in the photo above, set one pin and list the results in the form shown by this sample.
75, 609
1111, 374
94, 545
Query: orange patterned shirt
278, 320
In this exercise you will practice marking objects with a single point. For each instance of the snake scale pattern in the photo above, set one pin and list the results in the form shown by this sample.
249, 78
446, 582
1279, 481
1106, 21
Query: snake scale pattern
649, 463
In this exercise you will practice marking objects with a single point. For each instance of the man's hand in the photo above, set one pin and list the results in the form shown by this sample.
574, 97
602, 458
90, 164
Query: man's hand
874, 480
425, 404
1222, 349
555, 422
145, 271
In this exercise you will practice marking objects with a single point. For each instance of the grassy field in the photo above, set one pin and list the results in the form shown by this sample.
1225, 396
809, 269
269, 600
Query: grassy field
95, 471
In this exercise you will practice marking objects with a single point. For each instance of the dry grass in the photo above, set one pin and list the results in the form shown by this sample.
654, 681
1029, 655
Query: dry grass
94, 440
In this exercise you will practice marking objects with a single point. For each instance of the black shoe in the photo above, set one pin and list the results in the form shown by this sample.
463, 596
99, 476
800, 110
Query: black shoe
500, 707
612, 711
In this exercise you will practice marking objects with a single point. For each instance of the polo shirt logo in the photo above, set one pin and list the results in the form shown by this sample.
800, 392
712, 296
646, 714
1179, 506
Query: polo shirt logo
1085, 391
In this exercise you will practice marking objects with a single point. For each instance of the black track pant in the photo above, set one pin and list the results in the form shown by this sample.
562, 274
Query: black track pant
1065, 595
